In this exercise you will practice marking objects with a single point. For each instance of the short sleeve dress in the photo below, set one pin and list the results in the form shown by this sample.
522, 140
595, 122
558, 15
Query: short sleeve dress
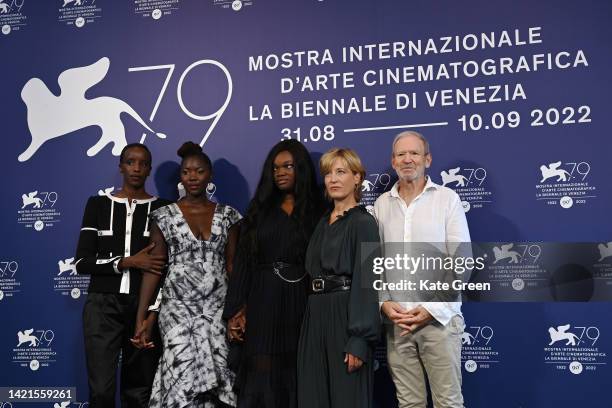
192, 371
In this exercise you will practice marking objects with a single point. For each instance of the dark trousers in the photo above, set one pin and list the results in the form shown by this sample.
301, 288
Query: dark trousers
108, 324
323, 379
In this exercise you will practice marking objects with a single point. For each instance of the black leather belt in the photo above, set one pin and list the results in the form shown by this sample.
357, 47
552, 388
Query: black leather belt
331, 283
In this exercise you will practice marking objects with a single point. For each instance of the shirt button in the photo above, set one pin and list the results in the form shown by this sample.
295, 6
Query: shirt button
134, 201
129, 214
127, 232
127, 252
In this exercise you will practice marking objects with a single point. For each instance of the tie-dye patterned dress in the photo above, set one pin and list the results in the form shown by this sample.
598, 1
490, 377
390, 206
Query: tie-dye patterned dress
193, 370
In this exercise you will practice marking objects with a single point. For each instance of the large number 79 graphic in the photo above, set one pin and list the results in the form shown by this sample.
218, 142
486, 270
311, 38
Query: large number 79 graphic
215, 116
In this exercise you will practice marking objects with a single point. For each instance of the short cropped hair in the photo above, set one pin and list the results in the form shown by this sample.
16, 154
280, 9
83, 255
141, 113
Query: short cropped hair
410, 133
352, 161
132, 145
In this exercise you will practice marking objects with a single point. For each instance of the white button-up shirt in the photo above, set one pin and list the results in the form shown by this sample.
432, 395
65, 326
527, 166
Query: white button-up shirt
434, 216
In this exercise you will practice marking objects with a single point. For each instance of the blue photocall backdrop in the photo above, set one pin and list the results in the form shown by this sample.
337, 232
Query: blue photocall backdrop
512, 96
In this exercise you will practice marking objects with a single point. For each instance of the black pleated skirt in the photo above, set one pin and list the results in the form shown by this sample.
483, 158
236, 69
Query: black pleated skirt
275, 309
323, 378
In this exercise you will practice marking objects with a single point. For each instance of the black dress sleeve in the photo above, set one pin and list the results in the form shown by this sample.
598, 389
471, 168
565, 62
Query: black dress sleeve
364, 317
239, 281
87, 260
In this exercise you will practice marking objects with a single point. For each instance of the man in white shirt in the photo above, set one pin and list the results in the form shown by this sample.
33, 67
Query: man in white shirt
425, 337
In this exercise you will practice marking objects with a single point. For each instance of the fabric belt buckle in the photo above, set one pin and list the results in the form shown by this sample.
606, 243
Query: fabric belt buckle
318, 285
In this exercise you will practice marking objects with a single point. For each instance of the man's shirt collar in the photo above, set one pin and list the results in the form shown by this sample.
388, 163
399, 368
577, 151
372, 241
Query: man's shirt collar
429, 184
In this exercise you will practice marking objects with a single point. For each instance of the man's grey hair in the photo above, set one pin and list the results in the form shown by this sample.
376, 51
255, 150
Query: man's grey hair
410, 133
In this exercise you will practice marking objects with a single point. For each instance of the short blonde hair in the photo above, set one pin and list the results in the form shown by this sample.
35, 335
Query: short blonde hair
352, 160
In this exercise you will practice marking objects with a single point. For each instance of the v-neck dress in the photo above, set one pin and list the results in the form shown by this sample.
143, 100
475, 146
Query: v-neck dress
193, 369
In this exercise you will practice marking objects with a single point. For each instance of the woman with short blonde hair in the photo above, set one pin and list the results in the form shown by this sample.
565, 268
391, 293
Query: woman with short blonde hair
353, 163
341, 323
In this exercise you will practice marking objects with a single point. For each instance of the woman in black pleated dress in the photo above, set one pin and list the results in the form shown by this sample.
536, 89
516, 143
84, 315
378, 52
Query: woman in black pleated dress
268, 286
341, 323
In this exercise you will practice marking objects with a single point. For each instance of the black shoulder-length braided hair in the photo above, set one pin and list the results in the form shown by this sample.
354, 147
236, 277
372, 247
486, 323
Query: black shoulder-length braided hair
308, 206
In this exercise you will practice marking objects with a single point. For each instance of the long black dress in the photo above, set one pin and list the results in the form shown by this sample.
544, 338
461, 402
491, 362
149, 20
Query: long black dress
340, 322
274, 310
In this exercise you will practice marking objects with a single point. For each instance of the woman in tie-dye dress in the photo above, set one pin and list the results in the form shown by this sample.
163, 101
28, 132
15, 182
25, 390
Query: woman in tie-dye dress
198, 238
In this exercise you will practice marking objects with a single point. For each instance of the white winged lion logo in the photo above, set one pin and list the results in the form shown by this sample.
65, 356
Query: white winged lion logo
51, 116
504, 252
451, 176
553, 170
560, 334
605, 251
4, 8
26, 336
